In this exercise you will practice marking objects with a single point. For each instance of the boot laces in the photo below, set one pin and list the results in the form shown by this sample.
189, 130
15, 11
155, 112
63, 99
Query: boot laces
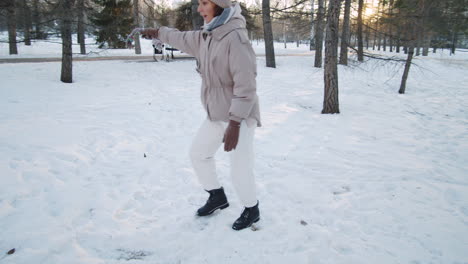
211, 198
246, 213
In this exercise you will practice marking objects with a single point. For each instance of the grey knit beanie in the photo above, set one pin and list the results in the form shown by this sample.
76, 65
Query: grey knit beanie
222, 3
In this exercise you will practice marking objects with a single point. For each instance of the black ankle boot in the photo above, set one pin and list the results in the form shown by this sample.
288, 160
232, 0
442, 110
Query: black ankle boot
249, 216
217, 200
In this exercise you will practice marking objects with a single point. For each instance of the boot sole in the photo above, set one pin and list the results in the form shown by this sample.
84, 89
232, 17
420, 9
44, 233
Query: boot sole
221, 207
253, 222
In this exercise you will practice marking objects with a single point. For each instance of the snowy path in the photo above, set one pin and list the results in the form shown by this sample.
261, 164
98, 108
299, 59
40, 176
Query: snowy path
383, 182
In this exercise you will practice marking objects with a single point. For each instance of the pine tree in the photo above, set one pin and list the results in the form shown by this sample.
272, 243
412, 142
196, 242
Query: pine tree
185, 18
163, 13
249, 19
319, 28
345, 34
268, 35
10, 6
114, 22
197, 20
330, 100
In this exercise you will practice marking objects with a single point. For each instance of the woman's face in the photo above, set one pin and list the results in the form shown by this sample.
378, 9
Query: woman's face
206, 8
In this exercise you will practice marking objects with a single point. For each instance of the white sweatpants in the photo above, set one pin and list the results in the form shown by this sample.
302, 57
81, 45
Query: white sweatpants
205, 144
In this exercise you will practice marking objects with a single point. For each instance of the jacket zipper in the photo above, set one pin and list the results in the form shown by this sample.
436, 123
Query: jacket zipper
208, 76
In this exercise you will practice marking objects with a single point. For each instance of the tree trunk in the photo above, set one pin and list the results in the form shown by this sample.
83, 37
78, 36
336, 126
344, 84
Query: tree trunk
359, 32
379, 41
11, 21
426, 44
319, 34
384, 42
375, 34
367, 36
390, 26
268, 35
418, 43
379, 35
38, 34
284, 34
312, 25
197, 20
398, 42
330, 100
454, 42
136, 23
66, 21
390, 39
384, 32
27, 23
409, 59
345, 34
81, 26
150, 18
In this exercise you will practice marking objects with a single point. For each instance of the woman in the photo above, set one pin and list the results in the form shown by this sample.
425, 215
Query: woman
227, 65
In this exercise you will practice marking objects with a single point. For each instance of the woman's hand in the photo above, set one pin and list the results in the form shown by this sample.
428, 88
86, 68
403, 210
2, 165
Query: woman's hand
231, 136
150, 33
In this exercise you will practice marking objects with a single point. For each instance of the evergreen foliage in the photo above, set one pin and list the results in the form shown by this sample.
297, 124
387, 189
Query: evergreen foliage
163, 14
184, 16
113, 23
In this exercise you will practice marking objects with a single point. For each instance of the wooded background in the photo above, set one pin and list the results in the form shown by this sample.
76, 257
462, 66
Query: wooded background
355, 26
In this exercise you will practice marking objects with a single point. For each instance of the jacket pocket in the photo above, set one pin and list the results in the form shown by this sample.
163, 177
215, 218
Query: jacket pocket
219, 103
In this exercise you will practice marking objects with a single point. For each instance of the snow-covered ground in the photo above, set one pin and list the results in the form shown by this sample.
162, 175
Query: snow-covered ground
385, 181
51, 49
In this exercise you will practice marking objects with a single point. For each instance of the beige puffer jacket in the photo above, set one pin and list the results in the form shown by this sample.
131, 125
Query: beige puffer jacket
227, 65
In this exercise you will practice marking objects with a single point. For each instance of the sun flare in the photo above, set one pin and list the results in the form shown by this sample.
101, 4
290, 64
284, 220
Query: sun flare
369, 11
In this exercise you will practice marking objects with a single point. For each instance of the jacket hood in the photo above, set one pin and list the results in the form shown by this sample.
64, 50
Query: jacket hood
237, 21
